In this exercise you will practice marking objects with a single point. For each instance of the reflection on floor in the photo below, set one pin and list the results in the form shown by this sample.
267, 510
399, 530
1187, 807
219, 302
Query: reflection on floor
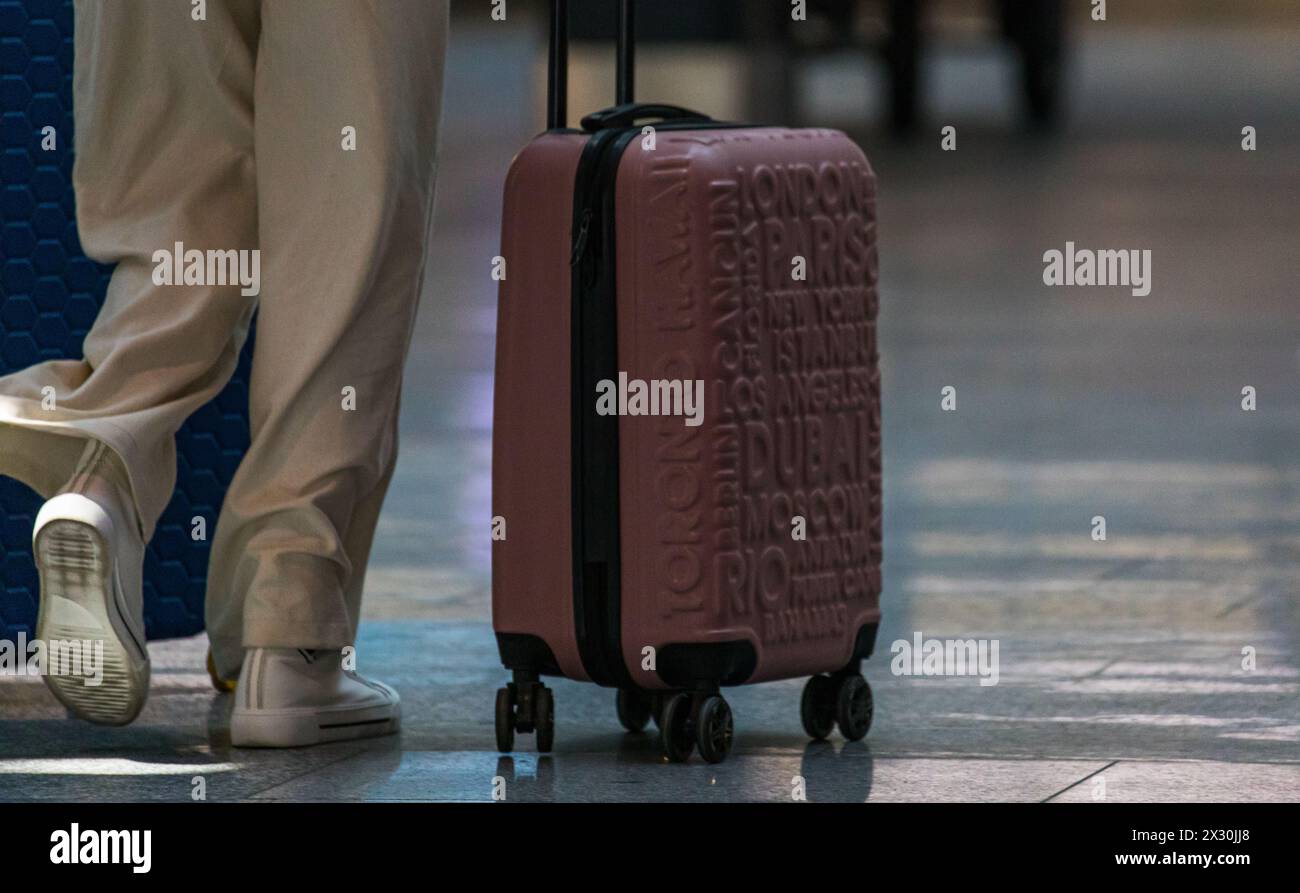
1121, 662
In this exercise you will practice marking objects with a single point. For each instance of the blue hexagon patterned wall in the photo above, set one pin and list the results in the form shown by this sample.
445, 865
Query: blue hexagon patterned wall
49, 295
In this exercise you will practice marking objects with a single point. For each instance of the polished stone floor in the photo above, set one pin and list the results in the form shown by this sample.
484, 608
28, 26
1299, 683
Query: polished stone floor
1121, 662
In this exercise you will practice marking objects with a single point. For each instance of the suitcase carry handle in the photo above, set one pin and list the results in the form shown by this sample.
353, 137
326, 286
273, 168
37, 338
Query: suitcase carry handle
628, 114
625, 111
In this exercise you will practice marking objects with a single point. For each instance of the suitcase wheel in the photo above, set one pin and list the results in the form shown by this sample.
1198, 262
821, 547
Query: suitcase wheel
700, 720
675, 730
544, 720
634, 709
525, 705
505, 721
844, 699
854, 707
817, 707
713, 729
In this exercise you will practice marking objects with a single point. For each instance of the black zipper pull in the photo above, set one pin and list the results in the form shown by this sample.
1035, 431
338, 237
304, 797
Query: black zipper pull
580, 241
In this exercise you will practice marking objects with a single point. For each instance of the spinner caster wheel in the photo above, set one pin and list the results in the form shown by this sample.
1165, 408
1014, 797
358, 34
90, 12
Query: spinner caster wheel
505, 720
675, 730
854, 707
634, 709
714, 729
544, 719
817, 707
525, 705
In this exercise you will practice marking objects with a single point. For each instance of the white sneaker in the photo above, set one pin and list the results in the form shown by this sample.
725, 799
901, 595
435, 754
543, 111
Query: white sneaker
290, 698
90, 555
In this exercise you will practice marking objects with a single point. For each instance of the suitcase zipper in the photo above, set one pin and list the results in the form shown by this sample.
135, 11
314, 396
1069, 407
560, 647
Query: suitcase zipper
597, 568
580, 241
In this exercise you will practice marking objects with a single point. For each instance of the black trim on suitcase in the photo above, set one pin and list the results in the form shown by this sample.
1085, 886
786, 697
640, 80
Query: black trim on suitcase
597, 566
692, 665
527, 652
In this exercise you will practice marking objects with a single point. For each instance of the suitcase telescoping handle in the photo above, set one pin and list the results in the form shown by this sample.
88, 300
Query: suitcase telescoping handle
626, 112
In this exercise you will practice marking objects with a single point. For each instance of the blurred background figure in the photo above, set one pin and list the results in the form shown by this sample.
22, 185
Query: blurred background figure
780, 39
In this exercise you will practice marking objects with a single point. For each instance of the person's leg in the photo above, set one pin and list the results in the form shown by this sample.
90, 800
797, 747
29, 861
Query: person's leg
164, 146
348, 101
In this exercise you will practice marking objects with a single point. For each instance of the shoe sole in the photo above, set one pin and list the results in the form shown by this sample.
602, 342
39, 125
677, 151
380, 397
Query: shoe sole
303, 728
81, 600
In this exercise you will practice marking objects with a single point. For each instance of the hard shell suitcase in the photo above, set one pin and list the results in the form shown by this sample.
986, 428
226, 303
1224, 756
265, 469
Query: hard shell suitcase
668, 555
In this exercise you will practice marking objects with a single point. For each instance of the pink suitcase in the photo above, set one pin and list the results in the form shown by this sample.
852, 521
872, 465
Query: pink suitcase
660, 253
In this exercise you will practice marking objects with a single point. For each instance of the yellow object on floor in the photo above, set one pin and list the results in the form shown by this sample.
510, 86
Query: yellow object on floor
225, 686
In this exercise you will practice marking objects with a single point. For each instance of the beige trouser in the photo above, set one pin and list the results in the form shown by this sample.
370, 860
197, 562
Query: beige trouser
229, 133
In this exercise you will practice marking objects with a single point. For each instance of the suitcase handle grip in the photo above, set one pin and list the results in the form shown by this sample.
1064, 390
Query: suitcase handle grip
557, 79
629, 113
